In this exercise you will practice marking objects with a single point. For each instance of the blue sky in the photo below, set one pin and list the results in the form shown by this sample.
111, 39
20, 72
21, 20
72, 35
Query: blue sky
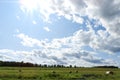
60, 32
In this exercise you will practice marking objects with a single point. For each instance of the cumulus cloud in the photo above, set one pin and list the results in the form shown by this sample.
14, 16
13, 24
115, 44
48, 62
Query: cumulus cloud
11, 55
78, 39
47, 29
107, 12
50, 57
106, 42
30, 42
69, 50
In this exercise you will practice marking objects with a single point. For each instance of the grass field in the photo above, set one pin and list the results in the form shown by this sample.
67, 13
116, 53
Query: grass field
36, 73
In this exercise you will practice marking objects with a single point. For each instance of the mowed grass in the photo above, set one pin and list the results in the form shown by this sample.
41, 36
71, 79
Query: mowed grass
37, 73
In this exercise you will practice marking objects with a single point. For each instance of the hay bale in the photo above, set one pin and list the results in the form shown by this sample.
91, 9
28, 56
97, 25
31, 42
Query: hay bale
109, 72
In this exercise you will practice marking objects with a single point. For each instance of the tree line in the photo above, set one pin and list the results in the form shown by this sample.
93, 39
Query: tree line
28, 64
106, 67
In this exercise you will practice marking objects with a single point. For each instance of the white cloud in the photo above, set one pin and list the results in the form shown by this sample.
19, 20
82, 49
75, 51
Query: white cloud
47, 29
11, 55
105, 13
52, 56
78, 39
34, 22
78, 19
68, 50
30, 42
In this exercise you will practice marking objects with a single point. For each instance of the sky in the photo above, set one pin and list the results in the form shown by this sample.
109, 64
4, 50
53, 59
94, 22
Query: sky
66, 32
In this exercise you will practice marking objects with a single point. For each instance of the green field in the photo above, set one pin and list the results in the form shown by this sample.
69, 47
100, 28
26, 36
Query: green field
36, 73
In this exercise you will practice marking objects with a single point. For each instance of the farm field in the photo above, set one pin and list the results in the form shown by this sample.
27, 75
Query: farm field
37, 73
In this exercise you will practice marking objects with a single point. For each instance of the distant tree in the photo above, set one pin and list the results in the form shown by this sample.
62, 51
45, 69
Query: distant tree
54, 65
62, 66
75, 66
45, 65
70, 66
